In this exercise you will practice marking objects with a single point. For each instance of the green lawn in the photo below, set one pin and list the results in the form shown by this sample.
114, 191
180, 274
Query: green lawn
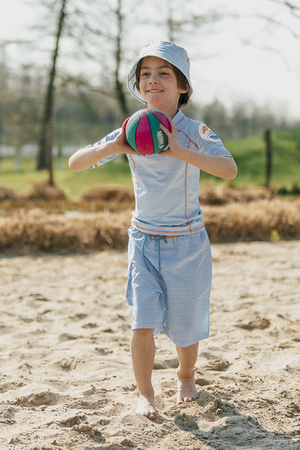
249, 154
73, 184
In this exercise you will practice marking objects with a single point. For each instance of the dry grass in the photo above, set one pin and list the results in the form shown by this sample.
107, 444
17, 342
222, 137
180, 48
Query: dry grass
113, 198
41, 220
224, 195
43, 191
109, 193
7, 194
53, 199
35, 230
258, 220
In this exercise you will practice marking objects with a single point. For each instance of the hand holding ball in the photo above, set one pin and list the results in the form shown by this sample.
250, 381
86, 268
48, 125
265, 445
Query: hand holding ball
143, 133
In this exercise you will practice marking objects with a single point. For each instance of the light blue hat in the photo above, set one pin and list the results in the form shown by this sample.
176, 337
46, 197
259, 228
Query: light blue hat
165, 50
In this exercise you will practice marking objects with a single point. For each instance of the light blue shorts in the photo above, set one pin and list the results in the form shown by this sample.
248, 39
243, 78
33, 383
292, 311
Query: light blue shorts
169, 284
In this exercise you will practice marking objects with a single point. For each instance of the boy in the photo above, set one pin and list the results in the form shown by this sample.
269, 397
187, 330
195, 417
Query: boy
169, 271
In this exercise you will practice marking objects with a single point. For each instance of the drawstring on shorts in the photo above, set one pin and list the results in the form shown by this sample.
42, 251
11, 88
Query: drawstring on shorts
156, 238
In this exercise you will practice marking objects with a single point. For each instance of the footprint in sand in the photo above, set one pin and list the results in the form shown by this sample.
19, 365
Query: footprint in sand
67, 364
103, 351
36, 399
186, 422
202, 382
63, 337
71, 421
90, 431
90, 325
218, 365
213, 406
39, 297
7, 415
166, 364
259, 324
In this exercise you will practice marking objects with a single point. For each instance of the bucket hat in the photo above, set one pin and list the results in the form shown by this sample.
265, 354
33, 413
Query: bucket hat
168, 51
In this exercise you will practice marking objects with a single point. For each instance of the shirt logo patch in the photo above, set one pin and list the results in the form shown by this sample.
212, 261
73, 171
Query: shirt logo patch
207, 134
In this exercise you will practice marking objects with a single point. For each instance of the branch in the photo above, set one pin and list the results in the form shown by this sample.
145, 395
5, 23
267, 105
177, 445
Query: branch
282, 25
293, 9
270, 50
5, 42
82, 83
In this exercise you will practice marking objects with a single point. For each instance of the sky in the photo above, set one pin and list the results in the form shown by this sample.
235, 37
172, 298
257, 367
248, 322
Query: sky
246, 61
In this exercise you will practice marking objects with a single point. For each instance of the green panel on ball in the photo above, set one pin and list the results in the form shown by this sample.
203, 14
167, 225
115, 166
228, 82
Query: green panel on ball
159, 138
131, 132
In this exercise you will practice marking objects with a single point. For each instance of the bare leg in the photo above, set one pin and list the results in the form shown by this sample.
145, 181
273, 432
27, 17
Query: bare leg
187, 356
142, 354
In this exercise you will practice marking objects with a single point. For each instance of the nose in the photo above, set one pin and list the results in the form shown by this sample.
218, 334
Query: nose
153, 79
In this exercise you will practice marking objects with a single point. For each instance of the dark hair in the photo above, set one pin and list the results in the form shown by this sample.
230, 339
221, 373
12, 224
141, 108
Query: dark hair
182, 83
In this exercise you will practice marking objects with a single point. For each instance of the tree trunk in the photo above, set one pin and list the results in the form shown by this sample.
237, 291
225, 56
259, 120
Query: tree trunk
121, 97
18, 157
46, 140
268, 157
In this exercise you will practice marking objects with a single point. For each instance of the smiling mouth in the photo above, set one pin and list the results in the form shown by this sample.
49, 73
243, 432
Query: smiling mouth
154, 90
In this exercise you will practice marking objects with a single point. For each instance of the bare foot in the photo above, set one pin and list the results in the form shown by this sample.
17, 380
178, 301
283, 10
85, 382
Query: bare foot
187, 391
145, 406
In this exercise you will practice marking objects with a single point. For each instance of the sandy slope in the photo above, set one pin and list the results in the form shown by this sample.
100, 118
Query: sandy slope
65, 374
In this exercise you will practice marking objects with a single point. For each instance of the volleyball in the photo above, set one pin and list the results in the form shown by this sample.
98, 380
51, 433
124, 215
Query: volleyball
143, 133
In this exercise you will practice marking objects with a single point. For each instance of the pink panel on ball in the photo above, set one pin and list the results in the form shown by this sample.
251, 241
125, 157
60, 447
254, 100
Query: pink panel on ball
162, 118
143, 136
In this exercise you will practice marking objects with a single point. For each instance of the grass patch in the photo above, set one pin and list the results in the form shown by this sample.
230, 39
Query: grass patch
115, 173
249, 154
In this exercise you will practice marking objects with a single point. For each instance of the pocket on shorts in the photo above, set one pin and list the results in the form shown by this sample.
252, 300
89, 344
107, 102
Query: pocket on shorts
129, 286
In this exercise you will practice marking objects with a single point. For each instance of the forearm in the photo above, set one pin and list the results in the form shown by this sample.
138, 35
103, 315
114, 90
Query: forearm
87, 157
219, 166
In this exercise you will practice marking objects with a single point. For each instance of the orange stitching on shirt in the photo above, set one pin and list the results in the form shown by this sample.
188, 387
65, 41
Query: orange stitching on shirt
185, 188
137, 187
138, 227
185, 195
188, 138
180, 120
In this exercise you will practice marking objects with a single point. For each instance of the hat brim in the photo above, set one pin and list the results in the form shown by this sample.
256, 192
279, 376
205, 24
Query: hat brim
131, 77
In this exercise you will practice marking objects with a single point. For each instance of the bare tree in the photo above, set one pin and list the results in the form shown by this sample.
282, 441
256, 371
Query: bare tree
19, 105
119, 88
170, 18
178, 24
191, 24
102, 45
45, 152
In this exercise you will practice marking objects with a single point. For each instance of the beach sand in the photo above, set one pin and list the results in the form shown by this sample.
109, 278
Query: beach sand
66, 379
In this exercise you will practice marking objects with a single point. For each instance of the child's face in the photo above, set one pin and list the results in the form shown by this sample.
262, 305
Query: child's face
158, 85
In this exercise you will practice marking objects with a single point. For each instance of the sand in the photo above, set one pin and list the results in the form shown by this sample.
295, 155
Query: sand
66, 379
